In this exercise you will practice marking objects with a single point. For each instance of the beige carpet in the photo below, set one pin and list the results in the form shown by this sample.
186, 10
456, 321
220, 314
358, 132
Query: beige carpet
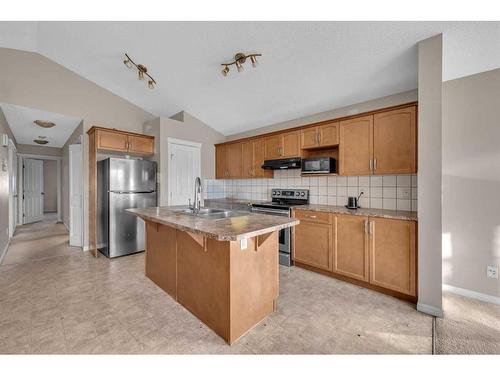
468, 327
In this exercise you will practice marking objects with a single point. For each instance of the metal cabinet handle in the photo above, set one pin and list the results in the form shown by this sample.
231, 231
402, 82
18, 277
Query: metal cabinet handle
366, 226
319, 138
371, 164
311, 216
374, 164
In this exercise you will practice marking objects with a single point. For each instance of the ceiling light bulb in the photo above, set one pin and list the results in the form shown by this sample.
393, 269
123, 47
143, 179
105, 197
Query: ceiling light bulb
239, 66
255, 63
128, 63
141, 75
225, 71
151, 85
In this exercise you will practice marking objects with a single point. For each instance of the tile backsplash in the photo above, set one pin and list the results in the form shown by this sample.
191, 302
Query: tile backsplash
388, 192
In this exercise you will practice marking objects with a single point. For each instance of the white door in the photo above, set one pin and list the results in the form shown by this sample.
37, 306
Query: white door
184, 167
75, 195
12, 188
33, 190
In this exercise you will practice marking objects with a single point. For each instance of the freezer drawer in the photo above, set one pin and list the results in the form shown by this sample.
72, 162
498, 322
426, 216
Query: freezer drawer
126, 231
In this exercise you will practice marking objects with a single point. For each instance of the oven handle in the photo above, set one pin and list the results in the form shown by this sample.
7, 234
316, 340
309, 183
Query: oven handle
271, 211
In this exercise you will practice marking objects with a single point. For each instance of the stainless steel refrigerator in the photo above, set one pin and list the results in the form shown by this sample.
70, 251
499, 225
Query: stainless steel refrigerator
122, 184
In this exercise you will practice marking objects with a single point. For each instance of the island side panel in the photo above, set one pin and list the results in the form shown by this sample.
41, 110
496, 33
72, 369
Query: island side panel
254, 282
203, 280
161, 256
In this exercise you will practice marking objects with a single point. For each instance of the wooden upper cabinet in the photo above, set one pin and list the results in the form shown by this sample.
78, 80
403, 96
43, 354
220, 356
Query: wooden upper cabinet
320, 136
111, 140
274, 146
395, 141
234, 160
350, 254
291, 144
313, 240
356, 146
140, 145
329, 134
247, 156
221, 170
119, 141
393, 255
259, 155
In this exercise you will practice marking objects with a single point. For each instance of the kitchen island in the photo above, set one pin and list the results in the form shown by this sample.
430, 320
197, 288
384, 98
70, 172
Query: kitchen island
225, 271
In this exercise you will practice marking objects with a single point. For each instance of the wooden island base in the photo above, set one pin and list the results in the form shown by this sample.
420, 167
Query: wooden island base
228, 288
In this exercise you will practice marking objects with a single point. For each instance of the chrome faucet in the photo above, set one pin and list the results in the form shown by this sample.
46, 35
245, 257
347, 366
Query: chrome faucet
197, 191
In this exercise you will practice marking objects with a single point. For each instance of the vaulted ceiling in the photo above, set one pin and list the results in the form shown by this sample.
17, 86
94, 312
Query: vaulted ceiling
306, 67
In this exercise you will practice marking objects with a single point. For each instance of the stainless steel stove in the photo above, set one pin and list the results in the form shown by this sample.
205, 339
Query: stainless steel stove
281, 205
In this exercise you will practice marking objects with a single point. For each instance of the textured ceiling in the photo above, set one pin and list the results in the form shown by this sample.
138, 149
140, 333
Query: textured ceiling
20, 120
306, 67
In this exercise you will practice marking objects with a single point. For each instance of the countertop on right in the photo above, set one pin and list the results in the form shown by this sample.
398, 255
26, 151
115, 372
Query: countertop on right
373, 212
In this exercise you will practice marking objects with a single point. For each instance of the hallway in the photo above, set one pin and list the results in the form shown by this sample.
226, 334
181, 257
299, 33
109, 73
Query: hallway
40, 240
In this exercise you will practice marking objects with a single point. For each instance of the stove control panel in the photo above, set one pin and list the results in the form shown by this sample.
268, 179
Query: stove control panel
295, 194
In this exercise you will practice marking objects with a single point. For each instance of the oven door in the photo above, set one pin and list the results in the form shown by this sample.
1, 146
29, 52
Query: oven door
284, 235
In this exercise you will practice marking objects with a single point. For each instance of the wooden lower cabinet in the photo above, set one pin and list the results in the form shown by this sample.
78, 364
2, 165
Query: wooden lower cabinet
377, 253
313, 244
350, 255
393, 255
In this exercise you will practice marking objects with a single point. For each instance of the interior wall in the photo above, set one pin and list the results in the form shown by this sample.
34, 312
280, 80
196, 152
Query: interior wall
189, 129
39, 150
386, 101
471, 181
430, 66
32, 80
75, 137
4, 186
49, 186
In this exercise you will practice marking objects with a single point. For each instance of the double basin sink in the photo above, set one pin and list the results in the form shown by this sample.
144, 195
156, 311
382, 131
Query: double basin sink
212, 213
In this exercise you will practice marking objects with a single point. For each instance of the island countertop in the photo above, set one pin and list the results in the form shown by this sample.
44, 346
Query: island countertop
373, 212
229, 229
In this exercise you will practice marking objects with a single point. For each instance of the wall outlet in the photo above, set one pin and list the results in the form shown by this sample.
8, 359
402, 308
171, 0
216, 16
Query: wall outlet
492, 272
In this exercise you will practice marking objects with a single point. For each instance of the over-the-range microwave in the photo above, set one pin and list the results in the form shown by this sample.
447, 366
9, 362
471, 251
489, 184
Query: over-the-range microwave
319, 165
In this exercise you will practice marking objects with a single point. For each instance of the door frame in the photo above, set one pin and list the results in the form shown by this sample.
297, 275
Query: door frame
59, 180
70, 191
13, 216
166, 179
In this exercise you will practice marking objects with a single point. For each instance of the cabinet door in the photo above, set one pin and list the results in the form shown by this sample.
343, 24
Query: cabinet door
259, 155
329, 134
247, 159
395, 141
313, 244
274, 146
350, 255
111, 140
291, 144
393, 254
356, 146
221, 162
141, 145
309, 138
234, 160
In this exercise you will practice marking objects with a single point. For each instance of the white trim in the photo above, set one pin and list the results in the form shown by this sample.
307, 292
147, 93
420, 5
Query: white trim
472, 294
166, 175
430, 310
43, 157
4, 252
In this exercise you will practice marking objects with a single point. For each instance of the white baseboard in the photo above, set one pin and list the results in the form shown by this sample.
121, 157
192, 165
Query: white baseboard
472, 294
4, 251
430, 310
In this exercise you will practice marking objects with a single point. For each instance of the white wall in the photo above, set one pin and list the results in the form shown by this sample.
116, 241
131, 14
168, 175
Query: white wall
471, 181
50, 186
430, 54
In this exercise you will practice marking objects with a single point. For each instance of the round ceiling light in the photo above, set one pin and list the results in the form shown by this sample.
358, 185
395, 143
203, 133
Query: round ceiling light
44, 124
40, 141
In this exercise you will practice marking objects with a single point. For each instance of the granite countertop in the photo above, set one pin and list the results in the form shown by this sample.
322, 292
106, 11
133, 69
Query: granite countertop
229, 229
374, 212
234, 200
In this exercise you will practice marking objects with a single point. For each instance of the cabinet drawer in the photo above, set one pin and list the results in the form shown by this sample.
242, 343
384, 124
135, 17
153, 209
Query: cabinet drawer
315, 216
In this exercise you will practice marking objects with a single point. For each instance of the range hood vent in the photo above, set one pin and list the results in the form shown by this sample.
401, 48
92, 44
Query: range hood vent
290, 163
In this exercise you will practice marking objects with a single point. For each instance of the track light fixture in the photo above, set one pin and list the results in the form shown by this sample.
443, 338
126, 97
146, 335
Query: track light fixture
142, 71
239, 60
